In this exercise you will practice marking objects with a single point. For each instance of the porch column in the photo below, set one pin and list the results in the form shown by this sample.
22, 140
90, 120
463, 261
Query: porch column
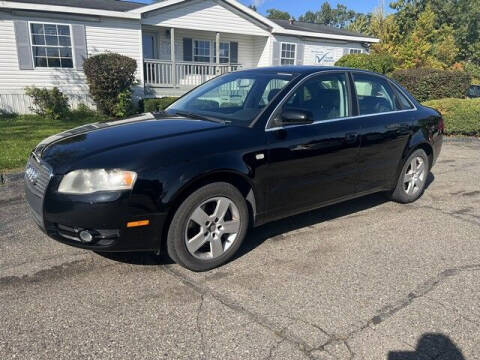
172, 55
217, 60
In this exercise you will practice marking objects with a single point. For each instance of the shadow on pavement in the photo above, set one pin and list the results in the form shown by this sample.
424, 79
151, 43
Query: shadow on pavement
430, 346
259, 235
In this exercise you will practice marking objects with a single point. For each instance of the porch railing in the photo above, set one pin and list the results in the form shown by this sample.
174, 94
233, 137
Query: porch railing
159, 73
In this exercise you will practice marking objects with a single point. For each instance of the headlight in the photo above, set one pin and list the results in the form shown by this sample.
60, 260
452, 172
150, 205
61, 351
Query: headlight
90, 181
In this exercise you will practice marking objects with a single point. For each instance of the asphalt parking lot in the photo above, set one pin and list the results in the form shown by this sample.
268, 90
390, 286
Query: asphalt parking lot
366, 279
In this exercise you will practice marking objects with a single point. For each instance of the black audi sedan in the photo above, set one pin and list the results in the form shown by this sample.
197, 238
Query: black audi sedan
241, 150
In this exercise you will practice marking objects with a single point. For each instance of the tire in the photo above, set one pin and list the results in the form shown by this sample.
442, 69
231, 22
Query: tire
208, 227
407, 190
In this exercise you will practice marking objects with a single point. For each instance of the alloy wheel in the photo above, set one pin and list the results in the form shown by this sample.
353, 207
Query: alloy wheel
414, 177
212, 228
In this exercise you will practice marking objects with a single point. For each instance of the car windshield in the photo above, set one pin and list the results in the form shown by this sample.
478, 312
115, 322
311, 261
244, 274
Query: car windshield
237, 97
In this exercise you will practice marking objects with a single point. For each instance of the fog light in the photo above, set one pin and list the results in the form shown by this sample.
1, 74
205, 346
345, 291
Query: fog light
85, 236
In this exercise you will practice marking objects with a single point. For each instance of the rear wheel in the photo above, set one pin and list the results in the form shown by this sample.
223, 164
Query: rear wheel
412, 179
208, 227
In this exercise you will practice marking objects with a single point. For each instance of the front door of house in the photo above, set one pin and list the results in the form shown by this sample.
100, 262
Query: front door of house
149, 46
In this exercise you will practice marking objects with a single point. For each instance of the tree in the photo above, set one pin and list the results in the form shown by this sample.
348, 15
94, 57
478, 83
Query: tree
253, 7
340, 16
384, 28
278, 14
361, 24
416, 50
463, 16
444, 47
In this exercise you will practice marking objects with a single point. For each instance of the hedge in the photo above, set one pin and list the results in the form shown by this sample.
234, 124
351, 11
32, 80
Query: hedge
110, 77
382, 64
430, 84
158, 104
461, 116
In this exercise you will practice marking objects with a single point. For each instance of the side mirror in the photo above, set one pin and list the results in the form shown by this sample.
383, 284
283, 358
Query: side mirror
296, 117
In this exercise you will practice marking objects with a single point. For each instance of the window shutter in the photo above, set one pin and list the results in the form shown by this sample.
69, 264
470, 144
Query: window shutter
276, 53
24, 48
187, 49
80, 45
234, 52
300, 54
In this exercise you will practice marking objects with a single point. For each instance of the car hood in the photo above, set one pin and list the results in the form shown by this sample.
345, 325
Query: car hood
84, 141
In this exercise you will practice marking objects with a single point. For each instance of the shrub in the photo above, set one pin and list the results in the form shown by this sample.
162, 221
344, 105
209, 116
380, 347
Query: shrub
124, 105
474, 71
152, 105
109, 76
429, 84
84, 109
52, 103
382, 64
461, 116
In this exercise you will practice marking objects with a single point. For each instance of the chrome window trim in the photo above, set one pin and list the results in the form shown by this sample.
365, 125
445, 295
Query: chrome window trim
339, 119
267, 129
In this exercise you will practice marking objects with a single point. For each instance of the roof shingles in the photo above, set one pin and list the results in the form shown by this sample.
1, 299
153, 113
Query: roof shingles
317, 28
112, 5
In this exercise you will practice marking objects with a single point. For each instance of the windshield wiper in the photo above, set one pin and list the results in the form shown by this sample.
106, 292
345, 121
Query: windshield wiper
199, 117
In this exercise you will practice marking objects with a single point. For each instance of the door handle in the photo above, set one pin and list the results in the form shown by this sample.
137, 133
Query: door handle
351, 137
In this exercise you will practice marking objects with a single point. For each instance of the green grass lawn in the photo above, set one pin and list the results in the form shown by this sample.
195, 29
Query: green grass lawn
20, 133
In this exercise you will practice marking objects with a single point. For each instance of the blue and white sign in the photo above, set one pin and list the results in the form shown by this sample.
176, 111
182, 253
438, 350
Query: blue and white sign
326, 56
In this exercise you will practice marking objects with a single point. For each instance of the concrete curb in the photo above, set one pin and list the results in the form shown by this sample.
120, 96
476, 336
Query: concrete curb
461, 139
11, 177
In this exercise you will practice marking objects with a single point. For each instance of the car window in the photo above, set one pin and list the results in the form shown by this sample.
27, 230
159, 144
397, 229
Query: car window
231, 94
237, 97
272, 89
324, 97
401, 101
374, 94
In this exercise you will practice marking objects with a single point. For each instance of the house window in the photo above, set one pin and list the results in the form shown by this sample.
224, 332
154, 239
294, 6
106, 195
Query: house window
224, 52
201, 51
355, 51
288, 54
51, 45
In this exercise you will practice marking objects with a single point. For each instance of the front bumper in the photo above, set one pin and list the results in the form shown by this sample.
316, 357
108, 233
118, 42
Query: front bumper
104, 215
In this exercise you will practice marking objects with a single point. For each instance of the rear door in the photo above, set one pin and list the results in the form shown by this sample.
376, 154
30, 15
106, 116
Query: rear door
316, 163
386, 117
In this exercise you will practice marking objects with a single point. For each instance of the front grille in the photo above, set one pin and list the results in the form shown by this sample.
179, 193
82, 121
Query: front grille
37, 176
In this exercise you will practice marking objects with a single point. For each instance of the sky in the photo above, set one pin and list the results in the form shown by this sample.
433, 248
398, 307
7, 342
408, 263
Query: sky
299, 7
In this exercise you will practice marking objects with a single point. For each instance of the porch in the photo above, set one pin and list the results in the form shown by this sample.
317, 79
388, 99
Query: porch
198, 56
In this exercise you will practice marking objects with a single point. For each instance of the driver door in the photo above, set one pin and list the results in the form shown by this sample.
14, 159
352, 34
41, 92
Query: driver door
315, 163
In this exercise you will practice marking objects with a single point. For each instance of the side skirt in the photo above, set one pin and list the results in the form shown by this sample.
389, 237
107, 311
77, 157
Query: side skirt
264, 218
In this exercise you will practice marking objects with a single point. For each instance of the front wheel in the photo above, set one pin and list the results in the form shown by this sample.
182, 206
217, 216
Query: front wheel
208, 227
412, 179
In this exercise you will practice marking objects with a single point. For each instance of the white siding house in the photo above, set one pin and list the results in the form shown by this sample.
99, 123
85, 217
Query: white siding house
43, 43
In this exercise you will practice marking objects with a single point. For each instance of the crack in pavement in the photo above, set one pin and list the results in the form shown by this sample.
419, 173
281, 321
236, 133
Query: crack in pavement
420, 291
273, 348
383, 314
458, 312
231, 304
455, 214
199, 328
